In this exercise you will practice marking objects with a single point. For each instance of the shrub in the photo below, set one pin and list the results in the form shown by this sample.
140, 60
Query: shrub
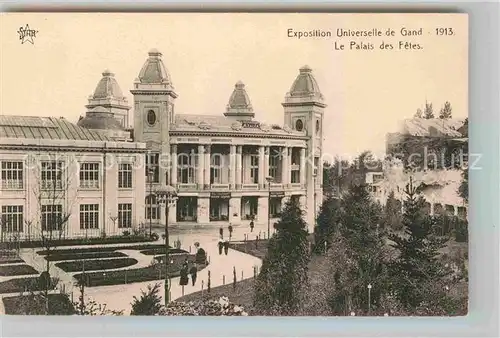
212, 307
17, 270
88, 241
96, 264
149, 304
59, 304
155, 236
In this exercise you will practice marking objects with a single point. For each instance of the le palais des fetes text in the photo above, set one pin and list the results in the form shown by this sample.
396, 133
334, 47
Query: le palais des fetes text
403, 38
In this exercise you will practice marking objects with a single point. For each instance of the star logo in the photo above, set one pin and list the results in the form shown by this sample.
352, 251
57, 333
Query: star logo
26, 34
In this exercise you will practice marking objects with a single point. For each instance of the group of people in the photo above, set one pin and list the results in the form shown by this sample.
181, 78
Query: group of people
186, 271
223, 244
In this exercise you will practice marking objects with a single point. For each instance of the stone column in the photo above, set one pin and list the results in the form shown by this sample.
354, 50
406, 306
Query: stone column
232, 167
267, 150
302, 166
284, 166
201, 166
235, 210
202, 210
173, 172
238, 167
262, 177
207, 162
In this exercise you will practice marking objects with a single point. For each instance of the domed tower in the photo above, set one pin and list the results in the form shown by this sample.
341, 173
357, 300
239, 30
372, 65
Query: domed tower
100, 120
239, 106
108, 95
303, 110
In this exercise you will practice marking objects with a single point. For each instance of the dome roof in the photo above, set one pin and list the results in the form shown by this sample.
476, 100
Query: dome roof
239, 102
153, 70
108, 87
100, 118
305, 84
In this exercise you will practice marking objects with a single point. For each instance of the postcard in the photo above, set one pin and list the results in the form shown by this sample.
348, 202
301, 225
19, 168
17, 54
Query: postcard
234, 164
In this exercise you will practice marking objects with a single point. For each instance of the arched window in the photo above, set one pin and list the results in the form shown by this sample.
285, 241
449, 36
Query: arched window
152, 208
299, 125
151, 117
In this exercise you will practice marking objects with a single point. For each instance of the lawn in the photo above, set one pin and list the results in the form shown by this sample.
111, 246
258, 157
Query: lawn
127, 276
17, 270
21, 285
83, 255
59, 304
94, 265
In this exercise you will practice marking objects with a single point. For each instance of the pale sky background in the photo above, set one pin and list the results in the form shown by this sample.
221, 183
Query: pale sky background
367, 92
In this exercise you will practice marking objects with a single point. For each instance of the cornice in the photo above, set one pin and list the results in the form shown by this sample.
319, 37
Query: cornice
72, 149
235, 134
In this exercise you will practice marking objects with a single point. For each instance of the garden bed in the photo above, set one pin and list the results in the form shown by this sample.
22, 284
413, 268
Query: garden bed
88, 241
17, 270
84, 255
161, 251
110, 249
94, 265
150, 273
59, 304
22, 285
10, 260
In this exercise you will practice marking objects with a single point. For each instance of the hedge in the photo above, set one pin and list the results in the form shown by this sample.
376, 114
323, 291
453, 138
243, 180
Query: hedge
88, 241
17, 270
59, 304
161, 251
21, 285
150, 273
83, 255
96, 264
110, 249
10, 260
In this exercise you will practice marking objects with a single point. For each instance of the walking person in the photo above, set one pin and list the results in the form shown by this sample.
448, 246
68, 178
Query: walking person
226, 247
193, 271
184, 280
221, 231
251, 225
221, 245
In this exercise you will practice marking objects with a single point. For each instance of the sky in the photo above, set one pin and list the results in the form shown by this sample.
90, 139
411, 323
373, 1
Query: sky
367, 91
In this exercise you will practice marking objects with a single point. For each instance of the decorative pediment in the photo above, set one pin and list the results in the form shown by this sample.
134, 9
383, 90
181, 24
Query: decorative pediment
236, 126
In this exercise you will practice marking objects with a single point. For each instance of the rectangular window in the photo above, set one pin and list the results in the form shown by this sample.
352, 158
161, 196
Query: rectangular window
52, 217
273, 167
12, 175
51, 175
125, 175
152, 208
12, 218
215, 170
89, 216
295, 176
185, 168
153, 164
89, 175
254, 168
275, 207
124, 215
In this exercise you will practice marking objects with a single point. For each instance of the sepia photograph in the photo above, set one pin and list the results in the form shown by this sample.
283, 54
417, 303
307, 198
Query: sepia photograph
234, 164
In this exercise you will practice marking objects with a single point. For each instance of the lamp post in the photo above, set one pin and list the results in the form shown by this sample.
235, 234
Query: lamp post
166, 198
369, 298
269, 180
150, 178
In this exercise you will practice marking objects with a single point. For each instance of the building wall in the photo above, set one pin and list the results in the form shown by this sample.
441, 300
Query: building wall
107, 195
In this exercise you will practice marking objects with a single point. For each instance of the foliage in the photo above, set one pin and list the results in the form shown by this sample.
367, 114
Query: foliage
326, 223
149, 304
392, 217
281, 286
212, 307
463, 189
34, 304
417, 269
419, 114
83, 255
445, 112
428, 111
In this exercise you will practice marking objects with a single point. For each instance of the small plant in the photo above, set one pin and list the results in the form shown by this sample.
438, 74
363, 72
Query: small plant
149, 304
126, 233
155, 236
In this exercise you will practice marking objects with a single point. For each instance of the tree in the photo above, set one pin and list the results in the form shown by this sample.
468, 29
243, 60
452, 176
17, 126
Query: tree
335, 177
428, 111
363, 239
419, 114
392, 213
415, 272
281, 286
149, 304
463, 189
54, 207
326, 223
445, 112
